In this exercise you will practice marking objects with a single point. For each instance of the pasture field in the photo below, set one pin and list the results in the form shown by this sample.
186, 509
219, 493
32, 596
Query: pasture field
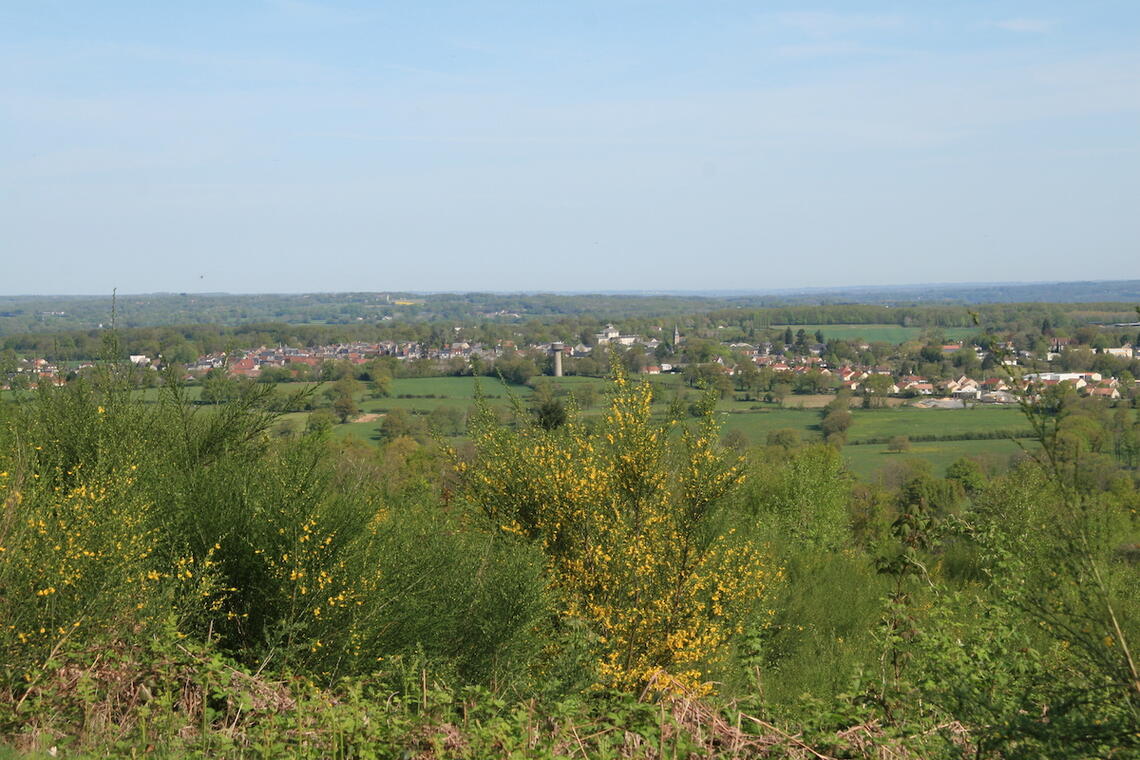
758, 423
866, 461
423, 395
881, 333
427, 393
365, 431
757, 420
912, 421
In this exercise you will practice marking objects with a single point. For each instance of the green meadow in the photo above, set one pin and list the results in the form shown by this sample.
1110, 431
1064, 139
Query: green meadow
762, 419
865, 461
421, 396
912, 421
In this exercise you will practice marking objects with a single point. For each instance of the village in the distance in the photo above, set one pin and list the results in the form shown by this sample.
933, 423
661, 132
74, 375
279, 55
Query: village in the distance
801, 362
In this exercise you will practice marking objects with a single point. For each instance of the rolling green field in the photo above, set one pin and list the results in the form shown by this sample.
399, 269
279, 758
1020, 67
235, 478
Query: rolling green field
432, 392
911, 421
875, 423
865, 461
881, 333
423, 395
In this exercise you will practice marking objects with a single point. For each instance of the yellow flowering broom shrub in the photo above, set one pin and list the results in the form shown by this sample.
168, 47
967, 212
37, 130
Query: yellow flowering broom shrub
124, 522
79, 568
632, 517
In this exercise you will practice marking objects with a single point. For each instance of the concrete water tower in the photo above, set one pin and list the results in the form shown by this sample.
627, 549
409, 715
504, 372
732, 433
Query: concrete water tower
556, 349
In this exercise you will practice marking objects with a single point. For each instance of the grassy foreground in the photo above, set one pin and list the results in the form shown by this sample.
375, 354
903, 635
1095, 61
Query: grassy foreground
181, 580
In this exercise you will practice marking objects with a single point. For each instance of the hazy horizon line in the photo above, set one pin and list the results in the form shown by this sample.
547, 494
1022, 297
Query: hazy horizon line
700, 293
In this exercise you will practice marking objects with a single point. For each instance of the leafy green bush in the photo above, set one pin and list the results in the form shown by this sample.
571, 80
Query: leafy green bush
801, 497
120, 513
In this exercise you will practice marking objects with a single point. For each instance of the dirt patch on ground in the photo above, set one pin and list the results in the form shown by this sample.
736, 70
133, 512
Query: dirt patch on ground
808, 401
367, 418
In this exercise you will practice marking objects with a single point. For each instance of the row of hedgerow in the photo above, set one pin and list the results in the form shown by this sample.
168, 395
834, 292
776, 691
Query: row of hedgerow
977, 435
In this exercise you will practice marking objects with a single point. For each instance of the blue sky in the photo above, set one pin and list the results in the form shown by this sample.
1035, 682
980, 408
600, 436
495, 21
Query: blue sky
297, 145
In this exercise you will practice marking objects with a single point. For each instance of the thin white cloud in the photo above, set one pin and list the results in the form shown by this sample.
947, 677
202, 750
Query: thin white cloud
230, 66
1024, 25
824, 24
314, 12
822, 50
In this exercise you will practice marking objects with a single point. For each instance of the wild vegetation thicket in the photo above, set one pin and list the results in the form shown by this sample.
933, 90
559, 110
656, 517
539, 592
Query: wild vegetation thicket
179, 579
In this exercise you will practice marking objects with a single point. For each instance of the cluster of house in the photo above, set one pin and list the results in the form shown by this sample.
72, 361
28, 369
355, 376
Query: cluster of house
990, 390
995, 390
1058, 345
251, 362
1088, 383
33, 372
